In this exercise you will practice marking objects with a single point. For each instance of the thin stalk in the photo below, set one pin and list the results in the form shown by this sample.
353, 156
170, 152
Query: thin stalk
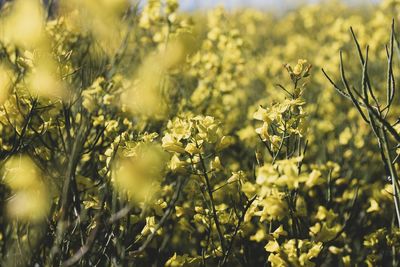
210, 195
241, 219
350, 93
393, 174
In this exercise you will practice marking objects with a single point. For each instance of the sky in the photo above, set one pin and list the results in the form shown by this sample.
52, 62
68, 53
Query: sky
265, 4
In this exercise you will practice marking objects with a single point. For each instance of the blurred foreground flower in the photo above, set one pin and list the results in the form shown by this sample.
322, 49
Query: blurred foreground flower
43, 80
148, 95
95, 17
140, 170
5, 83
24, 26
30, 200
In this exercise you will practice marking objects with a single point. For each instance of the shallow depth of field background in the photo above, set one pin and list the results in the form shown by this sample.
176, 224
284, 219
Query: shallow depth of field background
199, 133
264, 4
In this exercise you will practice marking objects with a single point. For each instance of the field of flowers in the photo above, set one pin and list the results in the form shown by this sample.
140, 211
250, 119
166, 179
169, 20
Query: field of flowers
142, 135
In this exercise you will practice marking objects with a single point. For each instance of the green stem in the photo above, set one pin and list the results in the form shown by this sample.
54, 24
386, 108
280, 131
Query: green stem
210, 195
393, 174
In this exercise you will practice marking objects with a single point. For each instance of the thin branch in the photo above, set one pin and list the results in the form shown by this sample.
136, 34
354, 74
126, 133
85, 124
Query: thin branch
240, 221
360, 55
338, 89
210, 195
346, 85
162, 221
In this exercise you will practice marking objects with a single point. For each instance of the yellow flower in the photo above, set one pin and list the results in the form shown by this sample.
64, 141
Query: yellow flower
346, 261
298, 69
99, 120
314, 179
259, 236
263, 131
208, 128
324, 214
216, 164
345, 136
323, 233
180, 129
314, 251
279, 232
262, 115
274, 208
374, 206
272, 246
170, 144
335, 250
249, 189
276, 260
177, 165
179, 211
150, 226
192, 149
224, 142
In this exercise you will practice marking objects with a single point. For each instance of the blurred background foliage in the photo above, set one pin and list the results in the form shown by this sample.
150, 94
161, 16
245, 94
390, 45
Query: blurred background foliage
136, 134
